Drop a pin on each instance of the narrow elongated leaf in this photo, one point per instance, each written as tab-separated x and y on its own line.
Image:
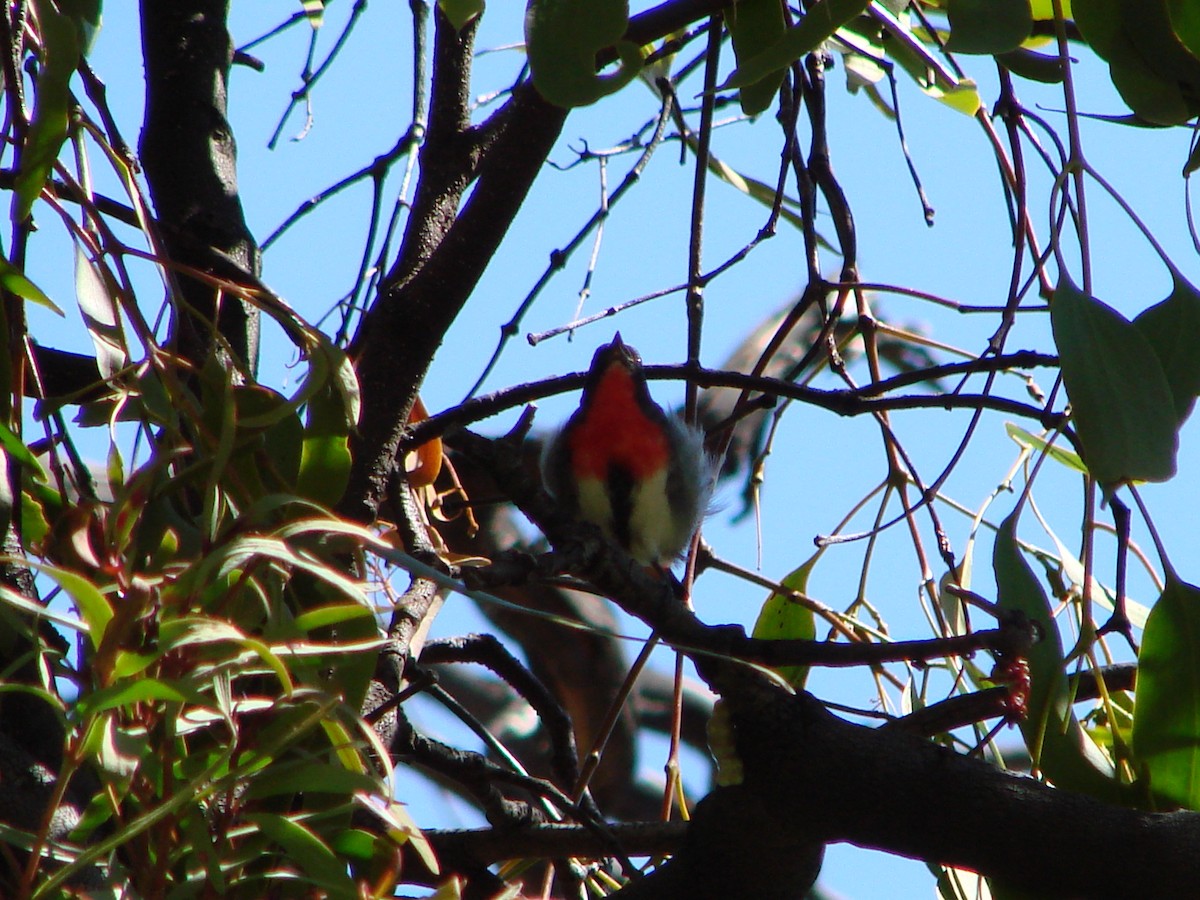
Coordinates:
15	447
307	850
14	279
988	26
562	38
1068	458
1121	403
100	314
1057	742
1173	329
1166	724
48	130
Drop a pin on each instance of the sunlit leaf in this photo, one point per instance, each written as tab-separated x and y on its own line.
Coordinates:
16	450
325	452
782	618
1056	452
1121	403
401	827
314	11
312	776
461	12
1166	724
100	314
562	38
13	279
131	691
307	850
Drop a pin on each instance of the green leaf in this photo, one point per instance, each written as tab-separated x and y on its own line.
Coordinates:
49	127
335	614
562	38
1057	742
137	690
14	279
1166	724
818	25
782	618
754	25
461	12
314	11
1034	66
92	605
1068	458
1173	329
325	454
1099	21
988	26
87	19
308	850
310	777
1121	403
1155	99
15	448
1185	22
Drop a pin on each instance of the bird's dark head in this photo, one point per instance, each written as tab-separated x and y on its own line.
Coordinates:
618	354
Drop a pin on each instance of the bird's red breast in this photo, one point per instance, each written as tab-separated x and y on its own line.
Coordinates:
616	430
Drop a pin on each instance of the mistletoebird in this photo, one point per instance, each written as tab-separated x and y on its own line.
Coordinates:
625	465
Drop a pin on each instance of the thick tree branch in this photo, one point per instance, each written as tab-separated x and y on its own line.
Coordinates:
190	160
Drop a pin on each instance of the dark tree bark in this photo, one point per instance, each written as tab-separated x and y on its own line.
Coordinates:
190	159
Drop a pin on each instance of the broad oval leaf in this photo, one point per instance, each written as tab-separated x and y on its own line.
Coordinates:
1121	403
1166	724
461	12
782	618
988	26
1173	329
562	38
819	23
754	25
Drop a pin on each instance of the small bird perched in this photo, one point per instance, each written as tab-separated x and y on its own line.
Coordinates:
623	464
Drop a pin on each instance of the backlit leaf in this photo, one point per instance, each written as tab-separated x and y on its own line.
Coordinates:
1166	724
1059	746
1121	403
562	38
988	26
1173	329
818	25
